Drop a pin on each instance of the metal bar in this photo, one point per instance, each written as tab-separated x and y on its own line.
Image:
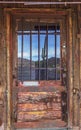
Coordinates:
39	53
30	54
50	3
55	54
47	54
22	52
38	3
25	33
12	2
49	68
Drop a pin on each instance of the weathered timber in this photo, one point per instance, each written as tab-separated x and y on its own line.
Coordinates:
8	91
79	40
75	71
80	79
35	97
36	11
38	115
44	86
40	89
6	82
38	107
34	106
31	107
41	124
70	67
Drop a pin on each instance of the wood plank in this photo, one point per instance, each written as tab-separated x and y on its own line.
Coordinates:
35	10
46	88
70	67
41	124
9	71
38	107
38	115
35	97
31	107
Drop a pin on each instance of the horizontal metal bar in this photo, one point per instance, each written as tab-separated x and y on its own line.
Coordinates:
49	33
48	68
12	2
50	3
38	3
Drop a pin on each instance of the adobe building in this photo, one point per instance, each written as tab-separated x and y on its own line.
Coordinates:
40	65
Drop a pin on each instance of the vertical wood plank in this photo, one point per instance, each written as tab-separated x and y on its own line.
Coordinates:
70	67
75	72
8	91
79	31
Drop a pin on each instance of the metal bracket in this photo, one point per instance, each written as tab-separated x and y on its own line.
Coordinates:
77	92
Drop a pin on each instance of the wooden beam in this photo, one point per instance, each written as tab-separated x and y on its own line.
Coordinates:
8	90
76	71
70	69
80	79
36	10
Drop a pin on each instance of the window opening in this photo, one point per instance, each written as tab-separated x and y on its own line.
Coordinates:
38	51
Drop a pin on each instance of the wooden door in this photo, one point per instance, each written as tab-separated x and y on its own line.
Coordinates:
40	102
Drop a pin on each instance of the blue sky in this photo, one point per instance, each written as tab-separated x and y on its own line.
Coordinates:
26	47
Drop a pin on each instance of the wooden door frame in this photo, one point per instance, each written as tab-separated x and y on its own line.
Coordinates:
8	14
9	71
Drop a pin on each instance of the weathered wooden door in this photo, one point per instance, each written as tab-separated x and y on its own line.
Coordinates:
44	93
40	95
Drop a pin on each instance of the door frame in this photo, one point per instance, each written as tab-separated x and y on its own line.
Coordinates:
8	25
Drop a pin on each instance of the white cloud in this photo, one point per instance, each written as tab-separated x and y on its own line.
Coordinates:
27	54
35	53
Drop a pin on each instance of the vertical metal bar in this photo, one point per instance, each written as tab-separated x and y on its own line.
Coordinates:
60	69
55	53
39	53
30	53
17	59
47	54
22	52
30	60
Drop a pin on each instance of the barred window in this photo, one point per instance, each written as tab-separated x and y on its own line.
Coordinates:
38	51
